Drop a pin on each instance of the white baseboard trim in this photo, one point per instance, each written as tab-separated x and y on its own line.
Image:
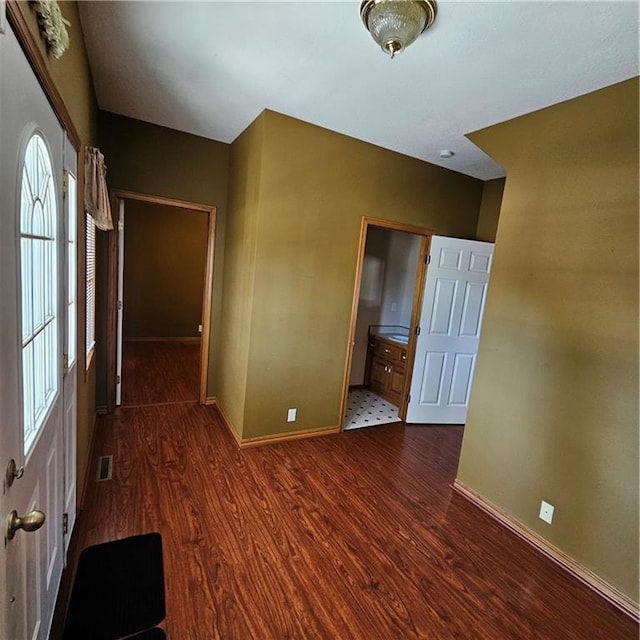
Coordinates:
610	593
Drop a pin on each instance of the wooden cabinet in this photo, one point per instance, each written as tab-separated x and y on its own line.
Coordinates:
387	369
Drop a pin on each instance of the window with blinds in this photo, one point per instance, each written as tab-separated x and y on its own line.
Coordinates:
91	289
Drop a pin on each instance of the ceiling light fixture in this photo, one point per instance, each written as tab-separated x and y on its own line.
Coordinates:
395	24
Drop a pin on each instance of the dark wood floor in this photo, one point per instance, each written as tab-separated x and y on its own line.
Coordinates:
352	536
160	371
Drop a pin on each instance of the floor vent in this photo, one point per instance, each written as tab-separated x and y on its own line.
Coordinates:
105	468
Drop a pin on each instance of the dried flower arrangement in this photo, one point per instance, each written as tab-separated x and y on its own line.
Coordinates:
52	25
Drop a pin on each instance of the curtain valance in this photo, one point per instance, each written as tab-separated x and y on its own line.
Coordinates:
96	194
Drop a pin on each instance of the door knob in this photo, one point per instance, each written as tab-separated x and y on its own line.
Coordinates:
13	472
31	521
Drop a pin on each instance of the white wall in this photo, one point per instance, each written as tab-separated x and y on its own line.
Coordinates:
400	277
386	290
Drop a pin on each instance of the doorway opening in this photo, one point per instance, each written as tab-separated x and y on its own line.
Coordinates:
161	273
416	320
384	316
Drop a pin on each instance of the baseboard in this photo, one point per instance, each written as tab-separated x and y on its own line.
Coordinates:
225	420
188	339
209	401
607	591
102	410
260	441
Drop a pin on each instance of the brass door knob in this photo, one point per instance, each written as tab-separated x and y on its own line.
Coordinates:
13	472
31	521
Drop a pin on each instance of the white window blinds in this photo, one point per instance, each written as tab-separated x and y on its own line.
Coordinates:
91	287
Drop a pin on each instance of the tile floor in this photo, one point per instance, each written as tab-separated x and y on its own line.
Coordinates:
366	409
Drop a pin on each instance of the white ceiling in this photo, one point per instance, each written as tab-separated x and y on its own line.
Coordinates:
210	68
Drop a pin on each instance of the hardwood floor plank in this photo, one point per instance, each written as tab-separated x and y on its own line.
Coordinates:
353	536
160	371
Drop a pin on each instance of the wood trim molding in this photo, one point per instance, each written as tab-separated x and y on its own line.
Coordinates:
29	45
225	420
186	340
207	293
607	591
123	194
416	312
397	226
117	196
260	441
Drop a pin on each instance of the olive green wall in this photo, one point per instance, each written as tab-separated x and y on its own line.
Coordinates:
554	410
490	210
313	189
239	273
165	252
154	160
72	78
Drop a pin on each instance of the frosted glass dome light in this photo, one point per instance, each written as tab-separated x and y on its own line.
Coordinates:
395	24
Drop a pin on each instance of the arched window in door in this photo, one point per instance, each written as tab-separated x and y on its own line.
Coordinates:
39	287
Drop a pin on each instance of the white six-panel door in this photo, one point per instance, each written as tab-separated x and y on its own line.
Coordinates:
450	322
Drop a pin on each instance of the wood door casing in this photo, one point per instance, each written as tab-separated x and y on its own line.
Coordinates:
426	235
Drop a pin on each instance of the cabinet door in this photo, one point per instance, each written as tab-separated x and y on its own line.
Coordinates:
396	386
379	376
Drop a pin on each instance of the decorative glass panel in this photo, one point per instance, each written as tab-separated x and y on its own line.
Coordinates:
39	287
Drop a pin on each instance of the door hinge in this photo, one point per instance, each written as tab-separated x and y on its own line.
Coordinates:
65	364
427	259
65	524
120	225
408	397
417	331
117	379
119	305
65	183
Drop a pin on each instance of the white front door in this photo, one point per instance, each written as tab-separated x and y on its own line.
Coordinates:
32	328
450	322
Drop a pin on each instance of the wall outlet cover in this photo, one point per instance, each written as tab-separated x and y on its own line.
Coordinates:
291	415
546	512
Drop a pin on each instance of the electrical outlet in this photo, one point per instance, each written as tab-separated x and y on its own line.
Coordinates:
291	415
546	512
